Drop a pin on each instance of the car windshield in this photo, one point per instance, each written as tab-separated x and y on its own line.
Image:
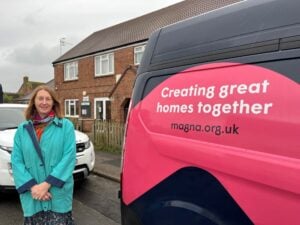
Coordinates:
11	117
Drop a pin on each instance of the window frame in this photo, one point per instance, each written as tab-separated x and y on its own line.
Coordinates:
68	110
138	54
100	60
71	71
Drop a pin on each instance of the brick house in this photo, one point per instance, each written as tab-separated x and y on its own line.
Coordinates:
28	86
94	79
25	96
24	92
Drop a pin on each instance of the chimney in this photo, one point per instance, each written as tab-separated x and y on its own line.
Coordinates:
25	79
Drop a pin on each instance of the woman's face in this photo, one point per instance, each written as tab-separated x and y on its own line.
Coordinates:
43	103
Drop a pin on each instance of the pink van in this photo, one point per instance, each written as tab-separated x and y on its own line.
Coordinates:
213	132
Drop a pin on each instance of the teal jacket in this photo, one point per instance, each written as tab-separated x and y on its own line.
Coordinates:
54	163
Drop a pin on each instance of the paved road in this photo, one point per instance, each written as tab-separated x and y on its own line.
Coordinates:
95	203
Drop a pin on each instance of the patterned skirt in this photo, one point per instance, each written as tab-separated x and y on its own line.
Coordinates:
50	218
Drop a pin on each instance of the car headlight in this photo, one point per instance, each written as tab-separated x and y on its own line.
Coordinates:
6	148
80	147
87	144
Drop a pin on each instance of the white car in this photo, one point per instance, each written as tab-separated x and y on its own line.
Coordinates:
11	115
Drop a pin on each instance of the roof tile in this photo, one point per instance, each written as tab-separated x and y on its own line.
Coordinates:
139	29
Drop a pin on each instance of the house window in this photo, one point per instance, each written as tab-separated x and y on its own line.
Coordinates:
138	53
102	109
104	64
71	107
71	71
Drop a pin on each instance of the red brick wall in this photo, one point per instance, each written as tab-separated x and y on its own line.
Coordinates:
122	94
96	87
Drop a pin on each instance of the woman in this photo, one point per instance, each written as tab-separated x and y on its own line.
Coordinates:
43	160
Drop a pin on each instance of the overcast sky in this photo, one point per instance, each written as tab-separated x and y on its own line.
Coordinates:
31	31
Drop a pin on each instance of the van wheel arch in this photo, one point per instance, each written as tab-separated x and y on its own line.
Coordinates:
189	194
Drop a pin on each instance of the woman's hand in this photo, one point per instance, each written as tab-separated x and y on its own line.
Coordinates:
47	196
41	191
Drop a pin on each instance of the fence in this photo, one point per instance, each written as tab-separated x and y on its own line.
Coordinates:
108	135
